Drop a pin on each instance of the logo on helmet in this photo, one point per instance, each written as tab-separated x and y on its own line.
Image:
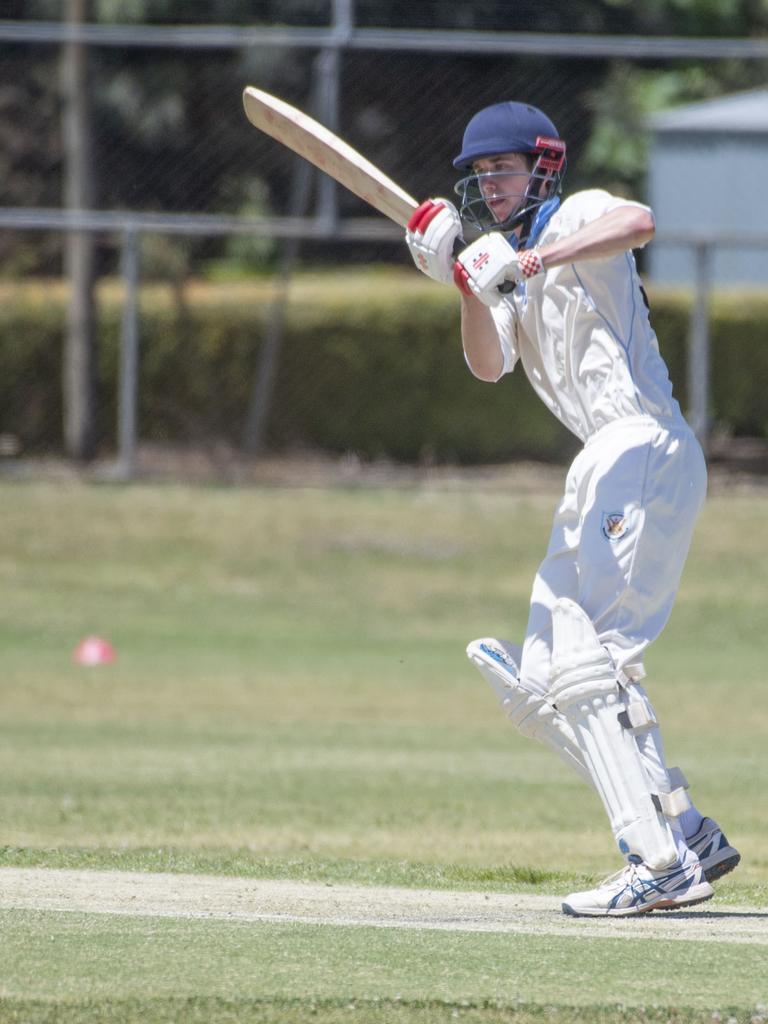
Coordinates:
551	153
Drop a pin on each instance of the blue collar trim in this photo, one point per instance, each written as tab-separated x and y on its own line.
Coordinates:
544	212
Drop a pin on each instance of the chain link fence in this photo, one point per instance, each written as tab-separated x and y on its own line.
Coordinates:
190	209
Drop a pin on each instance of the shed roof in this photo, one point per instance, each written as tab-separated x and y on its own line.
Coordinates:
741	112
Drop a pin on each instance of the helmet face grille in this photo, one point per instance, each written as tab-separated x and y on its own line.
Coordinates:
481	196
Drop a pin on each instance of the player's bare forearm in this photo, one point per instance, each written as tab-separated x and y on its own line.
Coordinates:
627	227
480	339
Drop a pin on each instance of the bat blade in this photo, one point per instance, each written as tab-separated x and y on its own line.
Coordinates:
316	143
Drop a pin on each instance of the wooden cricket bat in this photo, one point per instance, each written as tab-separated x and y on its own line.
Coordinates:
321	147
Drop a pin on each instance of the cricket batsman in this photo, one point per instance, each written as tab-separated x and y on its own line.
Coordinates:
553	285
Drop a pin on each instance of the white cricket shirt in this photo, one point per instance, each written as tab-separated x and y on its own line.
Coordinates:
582	332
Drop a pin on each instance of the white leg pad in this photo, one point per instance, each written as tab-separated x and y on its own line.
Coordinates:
585	689
498	660
532	714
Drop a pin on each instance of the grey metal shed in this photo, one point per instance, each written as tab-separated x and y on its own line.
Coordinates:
707	176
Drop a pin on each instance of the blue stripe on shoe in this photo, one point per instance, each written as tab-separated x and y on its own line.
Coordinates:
642	889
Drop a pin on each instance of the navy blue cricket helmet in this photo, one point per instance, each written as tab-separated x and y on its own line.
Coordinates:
510	127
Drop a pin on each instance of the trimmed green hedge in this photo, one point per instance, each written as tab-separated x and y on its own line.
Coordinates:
371	363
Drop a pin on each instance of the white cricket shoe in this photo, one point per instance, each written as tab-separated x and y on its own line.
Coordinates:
636	889
714	851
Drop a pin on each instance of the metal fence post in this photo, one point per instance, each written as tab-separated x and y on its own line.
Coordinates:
328	69
698	346
128	383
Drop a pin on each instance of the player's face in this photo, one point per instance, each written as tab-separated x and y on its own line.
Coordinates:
502	181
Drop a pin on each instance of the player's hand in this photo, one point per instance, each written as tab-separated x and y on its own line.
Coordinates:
431	234
490	261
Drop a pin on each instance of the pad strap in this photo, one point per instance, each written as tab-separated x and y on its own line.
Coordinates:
677	801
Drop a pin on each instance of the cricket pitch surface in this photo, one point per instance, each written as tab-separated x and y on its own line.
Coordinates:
260	900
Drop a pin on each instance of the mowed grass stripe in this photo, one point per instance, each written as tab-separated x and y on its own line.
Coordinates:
87	957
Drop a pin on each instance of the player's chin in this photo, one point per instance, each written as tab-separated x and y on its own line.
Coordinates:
500	209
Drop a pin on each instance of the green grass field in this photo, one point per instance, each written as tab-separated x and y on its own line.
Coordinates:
291	700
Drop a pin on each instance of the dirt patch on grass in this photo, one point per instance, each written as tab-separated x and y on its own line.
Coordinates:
734	464
257	900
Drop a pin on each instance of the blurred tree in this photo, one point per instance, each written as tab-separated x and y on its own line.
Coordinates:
30	161
652	17
617	153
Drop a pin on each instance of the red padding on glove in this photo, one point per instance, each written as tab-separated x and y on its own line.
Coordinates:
423	214
461	278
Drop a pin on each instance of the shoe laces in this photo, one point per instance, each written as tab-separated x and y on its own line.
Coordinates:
624	876
631	872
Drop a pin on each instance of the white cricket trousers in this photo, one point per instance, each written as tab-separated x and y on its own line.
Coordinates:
619	541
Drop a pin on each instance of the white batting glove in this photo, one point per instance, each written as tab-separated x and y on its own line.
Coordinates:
488	263
431	234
